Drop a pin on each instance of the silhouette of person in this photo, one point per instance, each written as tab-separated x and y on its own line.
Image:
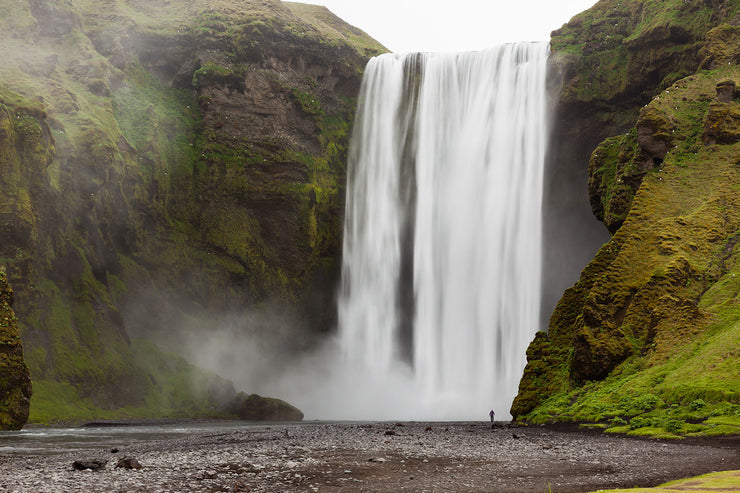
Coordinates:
492	414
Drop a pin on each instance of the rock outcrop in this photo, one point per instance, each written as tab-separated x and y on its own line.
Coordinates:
607	63
648	336
165	165
15	382
257	408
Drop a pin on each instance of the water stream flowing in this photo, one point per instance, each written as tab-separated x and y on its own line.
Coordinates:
441	257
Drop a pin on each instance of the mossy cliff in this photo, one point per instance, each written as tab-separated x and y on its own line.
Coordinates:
15	382
647	341
607	63
165	164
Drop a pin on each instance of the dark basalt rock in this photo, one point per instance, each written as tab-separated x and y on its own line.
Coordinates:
129	463
92	464
257	408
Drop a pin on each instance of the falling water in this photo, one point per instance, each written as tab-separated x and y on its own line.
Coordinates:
441	265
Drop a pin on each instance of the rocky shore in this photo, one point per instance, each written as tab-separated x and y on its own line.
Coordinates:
431	457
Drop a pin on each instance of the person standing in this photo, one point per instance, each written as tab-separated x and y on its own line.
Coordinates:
492	415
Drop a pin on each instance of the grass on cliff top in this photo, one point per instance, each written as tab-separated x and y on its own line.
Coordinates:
334	28
717	482
611	23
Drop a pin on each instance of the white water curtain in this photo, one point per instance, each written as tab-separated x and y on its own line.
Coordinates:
474	127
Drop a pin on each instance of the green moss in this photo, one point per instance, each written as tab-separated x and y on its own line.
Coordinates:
15	385
615	43
308	104
718	481
331	27
666	283
157	121
136	187
58	402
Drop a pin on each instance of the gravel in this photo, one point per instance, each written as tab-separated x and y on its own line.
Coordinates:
419	457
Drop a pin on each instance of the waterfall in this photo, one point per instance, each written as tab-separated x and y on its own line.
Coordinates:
441	254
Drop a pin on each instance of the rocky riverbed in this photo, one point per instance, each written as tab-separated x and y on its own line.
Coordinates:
418	457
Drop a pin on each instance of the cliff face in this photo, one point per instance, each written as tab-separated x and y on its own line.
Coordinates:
607	63
15	382
647	339
164	161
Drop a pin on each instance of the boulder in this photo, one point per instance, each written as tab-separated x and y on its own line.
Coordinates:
129	463
257	408
91	464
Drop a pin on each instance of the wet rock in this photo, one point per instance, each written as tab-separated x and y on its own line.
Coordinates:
91	464
15	381
376	459
129	463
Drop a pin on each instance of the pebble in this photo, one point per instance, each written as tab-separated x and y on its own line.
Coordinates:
320	457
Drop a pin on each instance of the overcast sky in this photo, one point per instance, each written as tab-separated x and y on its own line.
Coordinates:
455	25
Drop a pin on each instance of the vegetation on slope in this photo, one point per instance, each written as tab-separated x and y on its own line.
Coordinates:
165	162
648	340
717	481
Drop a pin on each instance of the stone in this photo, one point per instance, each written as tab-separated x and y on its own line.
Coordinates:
129	463
89	464
257	408
725	91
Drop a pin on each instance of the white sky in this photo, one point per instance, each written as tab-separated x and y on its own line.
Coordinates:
455	25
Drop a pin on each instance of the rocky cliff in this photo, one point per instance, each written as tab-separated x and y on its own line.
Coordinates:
15	381
166	164
647	340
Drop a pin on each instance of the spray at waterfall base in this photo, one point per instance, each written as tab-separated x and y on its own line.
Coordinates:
441	257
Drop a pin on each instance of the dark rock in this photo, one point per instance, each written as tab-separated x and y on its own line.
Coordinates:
256	408
726	91
15	381
722	122
390	433
129	463
92	464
